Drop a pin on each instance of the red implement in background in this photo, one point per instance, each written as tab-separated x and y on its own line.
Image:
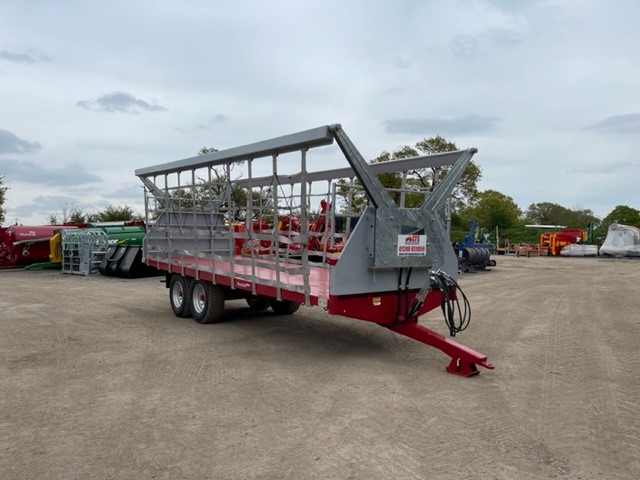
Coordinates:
22	245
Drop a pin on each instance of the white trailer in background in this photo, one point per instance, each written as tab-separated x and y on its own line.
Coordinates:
621	241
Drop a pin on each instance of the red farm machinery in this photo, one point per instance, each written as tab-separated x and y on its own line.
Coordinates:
22	245
255	235
555	242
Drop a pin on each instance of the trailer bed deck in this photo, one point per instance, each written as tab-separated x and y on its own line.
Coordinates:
239	275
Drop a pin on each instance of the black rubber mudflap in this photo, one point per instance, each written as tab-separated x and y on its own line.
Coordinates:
104	264
114	261
126	261
131	263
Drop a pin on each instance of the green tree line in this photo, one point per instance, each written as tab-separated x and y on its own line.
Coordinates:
113	213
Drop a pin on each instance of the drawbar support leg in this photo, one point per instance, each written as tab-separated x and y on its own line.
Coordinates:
464	360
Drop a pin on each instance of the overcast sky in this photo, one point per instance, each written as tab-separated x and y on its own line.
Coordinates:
549	91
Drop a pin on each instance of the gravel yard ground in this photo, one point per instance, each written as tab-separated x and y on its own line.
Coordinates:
98	380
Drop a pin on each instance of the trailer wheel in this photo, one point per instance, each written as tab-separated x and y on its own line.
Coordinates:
257	303
207	302
179	296
283	307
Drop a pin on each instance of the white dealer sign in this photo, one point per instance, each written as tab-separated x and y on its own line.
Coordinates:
412	245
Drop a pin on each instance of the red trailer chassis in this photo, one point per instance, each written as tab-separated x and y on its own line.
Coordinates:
396	264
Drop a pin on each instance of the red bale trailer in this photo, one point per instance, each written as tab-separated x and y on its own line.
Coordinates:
240	223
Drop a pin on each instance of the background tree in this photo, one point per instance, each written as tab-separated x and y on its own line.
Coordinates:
221	179
68	212
3	191
467	188
115	214
78	216
391	180
423	180
547	213
583	217
205	189
622	214
494	209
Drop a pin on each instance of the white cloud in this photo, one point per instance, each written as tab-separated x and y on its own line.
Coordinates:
122	102
11	143
23	56
627	124
71	174
212	122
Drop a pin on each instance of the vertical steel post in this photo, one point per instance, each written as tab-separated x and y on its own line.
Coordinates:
276	244
304	225
403	187
249	222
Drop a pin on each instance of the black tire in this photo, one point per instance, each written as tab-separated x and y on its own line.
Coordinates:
283	307
207	301
179	296
257	303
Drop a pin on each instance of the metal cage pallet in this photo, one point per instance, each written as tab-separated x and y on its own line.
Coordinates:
83	250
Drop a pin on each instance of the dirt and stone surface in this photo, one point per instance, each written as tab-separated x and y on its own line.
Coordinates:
98	380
